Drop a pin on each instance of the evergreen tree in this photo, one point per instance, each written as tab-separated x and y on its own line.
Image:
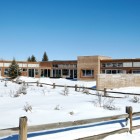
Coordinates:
33	59
29	59
14	70
45	57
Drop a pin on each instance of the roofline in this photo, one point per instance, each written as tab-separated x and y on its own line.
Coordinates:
125	59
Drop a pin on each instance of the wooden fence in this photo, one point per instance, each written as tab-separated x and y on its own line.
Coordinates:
76	87
23	128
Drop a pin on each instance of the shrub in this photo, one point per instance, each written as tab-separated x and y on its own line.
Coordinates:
44	92
37	83
11	93
57	107
23	89
98	101
66	90
105	102
5	83
135	99
86	91
109	104
71	113
41	85
16	95
27	107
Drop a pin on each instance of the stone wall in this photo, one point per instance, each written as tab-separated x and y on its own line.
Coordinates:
111	81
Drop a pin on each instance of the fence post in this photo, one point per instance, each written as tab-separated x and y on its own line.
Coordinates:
23	128
105	92
75	87
37	83
53	85
129	110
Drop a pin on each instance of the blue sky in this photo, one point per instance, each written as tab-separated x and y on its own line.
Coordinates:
66	29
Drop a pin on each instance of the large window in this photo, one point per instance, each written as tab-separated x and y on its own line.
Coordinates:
65	72
136	71
127	64
74	65
87	73
136	64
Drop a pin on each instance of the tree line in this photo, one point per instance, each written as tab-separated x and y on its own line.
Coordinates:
33	58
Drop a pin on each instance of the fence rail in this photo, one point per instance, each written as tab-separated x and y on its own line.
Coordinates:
23	129
101	136
76	87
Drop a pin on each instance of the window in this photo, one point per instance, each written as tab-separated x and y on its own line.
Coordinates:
127	64
65	72
115	64
55	66
60	66
112	65
42	73
136	64
74	65
103	65
120	71
87	73
75	73
36	72
113	71
109	65
136	72
120	65
108	71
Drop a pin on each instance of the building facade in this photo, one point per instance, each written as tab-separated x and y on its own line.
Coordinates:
30	69
120	66
84	68
56	69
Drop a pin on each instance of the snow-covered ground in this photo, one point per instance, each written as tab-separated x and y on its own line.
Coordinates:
51	105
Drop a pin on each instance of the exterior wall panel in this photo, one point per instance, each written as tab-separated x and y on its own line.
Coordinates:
111	81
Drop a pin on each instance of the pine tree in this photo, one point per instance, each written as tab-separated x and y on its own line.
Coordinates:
29	59
33	59
14	70
45	57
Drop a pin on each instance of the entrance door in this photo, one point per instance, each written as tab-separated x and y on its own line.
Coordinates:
71	74
31	73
